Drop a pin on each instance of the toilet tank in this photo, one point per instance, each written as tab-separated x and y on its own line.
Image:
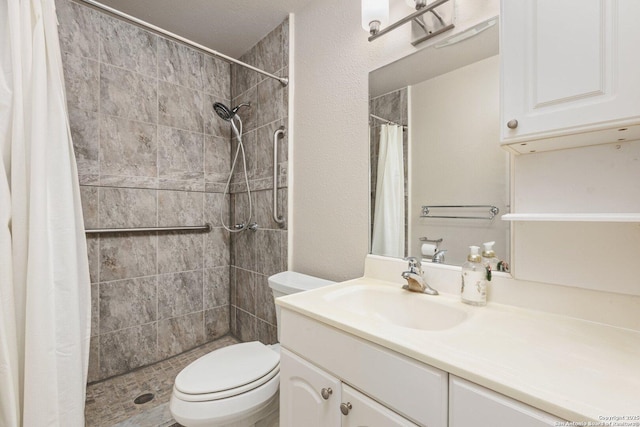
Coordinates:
290	282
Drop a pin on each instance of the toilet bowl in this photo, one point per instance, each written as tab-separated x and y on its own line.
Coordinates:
237	386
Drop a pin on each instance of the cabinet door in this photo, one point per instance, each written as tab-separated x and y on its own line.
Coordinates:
301	394
569	66
471	405
363	411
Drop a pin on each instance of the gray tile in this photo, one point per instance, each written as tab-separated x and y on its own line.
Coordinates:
244	247
94	360
84	133
122	181
271	102
246	326
76	28
95	309
127	303
127	207
269	49
178	185
233	324
389	106
233	300
128	147
216	287
180	154
216	322
217	158
246	290
128	349
180	334
242	78
285	251
217	77
179	294
124	256
180	208
93	251
249	144
127	46
265	303
82	82
268	252
180	107
266	333
214	204
89	198
178	251
216	248
264	149
127	94
285	42
179	64
263	209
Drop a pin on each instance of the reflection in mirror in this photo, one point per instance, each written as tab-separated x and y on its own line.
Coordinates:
447	158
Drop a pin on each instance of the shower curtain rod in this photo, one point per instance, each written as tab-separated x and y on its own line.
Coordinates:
139	22
387	121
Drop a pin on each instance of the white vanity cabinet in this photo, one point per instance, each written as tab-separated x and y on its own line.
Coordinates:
311	397
383	387
569	73
471	405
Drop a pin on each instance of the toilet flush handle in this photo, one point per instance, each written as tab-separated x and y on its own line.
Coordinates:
326	393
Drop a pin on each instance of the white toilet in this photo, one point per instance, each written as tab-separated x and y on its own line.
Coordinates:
237	386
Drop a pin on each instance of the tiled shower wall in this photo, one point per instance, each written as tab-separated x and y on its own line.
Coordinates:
150	152
257	255
393	106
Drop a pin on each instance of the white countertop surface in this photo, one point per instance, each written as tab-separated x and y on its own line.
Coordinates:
574	369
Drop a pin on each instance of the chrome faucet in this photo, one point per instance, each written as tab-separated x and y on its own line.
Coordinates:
438	257
415	278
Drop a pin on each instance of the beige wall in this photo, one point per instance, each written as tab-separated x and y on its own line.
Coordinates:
331	59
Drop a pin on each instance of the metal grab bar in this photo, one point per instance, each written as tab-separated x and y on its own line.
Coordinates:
279	133
493	211
206	228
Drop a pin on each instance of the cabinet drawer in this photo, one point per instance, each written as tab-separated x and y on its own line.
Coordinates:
472	405
417	391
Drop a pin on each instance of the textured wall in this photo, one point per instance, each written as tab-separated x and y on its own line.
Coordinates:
331	61
150	153
255	255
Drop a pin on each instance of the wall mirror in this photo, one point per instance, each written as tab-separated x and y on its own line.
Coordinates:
439	179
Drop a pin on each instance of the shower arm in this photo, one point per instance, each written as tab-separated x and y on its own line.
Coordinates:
278	134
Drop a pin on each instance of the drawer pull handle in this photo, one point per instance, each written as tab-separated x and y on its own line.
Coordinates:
326	393
512	124
345	408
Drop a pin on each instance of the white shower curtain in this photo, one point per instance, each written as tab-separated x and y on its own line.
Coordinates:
388	217
44	275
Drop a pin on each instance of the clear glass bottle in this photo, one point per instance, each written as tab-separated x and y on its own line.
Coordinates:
474	279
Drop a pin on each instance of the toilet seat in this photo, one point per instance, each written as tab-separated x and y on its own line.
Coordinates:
227	372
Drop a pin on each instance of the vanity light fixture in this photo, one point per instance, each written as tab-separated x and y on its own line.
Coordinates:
375	14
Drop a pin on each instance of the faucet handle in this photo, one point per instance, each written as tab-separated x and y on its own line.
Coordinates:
414	264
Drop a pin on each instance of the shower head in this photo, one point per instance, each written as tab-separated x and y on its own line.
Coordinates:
225	112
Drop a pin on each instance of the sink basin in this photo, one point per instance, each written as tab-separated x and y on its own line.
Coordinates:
397	307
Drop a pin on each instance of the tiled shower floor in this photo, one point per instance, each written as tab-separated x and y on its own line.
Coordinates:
110	403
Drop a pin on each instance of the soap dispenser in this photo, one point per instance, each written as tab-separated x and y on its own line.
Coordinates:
474	279
489	258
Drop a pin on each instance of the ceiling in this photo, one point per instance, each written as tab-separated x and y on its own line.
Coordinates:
231	27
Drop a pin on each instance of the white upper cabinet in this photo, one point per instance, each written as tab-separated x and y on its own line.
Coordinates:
570	73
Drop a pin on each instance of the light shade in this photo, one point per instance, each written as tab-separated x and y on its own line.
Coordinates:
374	10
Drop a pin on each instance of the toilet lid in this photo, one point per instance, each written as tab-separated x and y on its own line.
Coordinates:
227	368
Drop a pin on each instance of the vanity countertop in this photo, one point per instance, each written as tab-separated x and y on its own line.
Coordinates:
574	369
